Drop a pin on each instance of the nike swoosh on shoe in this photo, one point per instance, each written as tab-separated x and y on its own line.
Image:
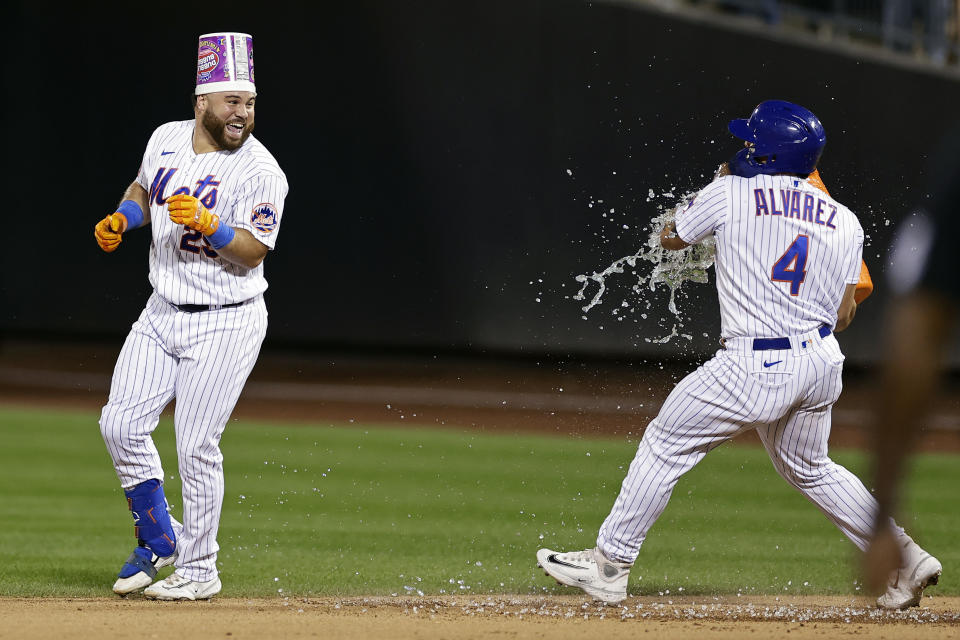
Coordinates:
554	560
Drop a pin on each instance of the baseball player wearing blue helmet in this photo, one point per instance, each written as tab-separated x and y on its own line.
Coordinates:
784	138
788	266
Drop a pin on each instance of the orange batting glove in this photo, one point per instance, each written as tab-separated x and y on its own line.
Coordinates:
108	231
187	210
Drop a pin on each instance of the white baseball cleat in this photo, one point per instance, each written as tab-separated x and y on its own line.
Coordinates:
918	571
175	587
139	570
589	570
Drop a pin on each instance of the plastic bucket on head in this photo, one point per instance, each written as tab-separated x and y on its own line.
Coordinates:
225	63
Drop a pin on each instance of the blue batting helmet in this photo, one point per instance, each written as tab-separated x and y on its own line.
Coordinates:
786	137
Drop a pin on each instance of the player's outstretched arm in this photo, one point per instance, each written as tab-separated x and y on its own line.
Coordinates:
669	238
848	308
132	212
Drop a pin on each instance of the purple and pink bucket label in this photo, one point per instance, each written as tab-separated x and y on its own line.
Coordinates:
225	63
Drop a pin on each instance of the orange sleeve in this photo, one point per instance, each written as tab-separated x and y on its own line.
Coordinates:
865	286
814	179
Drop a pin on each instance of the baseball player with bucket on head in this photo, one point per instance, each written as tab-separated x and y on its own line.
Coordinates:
213	197
788	263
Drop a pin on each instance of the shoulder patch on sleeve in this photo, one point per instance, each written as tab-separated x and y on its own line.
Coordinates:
264	217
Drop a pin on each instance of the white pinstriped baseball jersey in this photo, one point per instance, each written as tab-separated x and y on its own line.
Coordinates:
200	357
245	187
784	251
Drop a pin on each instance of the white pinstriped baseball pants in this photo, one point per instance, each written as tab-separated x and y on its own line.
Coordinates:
789	405
203	359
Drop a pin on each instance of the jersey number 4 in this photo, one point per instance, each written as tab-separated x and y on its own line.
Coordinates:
792	265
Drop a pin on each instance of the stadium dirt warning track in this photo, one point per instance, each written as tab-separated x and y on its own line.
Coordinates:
598	398
519	617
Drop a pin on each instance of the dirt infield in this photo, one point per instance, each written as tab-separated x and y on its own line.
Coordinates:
555	617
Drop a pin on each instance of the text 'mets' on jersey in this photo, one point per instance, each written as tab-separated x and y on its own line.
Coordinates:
785	251
245	187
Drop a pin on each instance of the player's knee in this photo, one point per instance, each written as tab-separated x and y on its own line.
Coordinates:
802	478
110	426
654	433
661	440
192	457
117	430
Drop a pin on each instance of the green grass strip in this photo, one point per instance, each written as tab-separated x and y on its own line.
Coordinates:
351	510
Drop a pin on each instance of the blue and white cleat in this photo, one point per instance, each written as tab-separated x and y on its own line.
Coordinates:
139	570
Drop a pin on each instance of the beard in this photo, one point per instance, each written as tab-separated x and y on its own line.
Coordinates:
216	127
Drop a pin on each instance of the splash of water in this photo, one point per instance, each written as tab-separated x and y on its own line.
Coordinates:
670	268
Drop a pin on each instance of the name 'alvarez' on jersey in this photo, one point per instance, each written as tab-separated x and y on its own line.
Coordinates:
785	251
245	187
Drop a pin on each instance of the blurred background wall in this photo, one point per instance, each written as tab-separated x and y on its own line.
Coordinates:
452	165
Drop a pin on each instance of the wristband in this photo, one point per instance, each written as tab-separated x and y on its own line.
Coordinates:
221	237
132	212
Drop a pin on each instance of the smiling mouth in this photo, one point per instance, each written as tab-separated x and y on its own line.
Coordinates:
235	128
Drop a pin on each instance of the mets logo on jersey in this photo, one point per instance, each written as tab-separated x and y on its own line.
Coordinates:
264	217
